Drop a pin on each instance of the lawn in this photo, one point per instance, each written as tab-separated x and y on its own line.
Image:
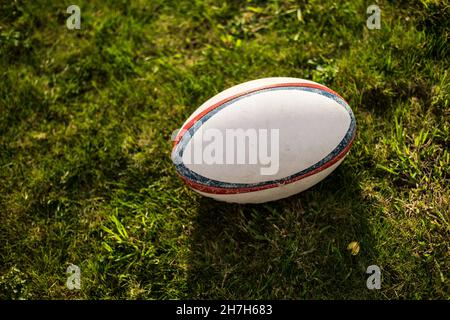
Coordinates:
86	117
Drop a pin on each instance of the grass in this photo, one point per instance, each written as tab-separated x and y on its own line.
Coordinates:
86	177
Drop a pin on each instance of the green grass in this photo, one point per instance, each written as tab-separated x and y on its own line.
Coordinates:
86	177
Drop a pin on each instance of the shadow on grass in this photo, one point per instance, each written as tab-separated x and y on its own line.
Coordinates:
380	101
290	249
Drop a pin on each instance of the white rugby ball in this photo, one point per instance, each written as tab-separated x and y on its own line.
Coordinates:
264	140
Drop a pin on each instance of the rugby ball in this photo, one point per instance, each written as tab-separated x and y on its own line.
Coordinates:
264	140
